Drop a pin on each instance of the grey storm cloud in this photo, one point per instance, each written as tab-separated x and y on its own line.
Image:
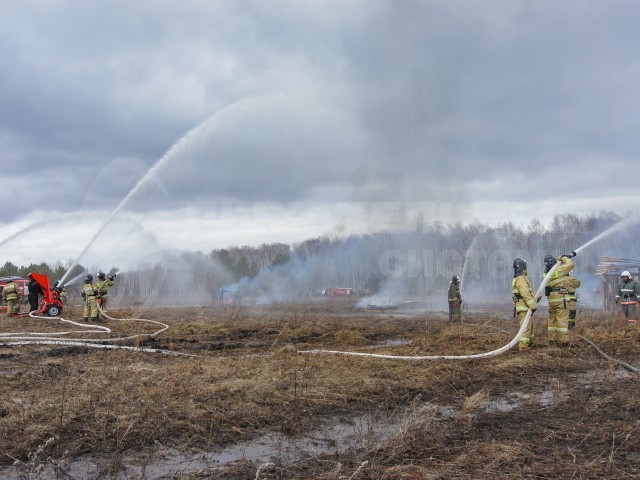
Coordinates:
314	101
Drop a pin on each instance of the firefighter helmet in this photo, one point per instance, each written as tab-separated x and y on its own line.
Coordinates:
455	279
519	266
101	276
549	261
625	274
89	279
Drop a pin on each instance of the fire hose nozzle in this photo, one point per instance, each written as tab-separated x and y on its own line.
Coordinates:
570	254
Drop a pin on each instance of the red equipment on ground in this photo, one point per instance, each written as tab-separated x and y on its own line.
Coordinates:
50	303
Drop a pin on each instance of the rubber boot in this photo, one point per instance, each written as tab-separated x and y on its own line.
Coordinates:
86	319
94	319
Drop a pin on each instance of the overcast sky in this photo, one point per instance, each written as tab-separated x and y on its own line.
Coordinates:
284	120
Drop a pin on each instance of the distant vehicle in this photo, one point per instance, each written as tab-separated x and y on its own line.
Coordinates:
333	291
227	297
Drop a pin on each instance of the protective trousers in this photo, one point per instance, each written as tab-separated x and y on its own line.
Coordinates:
104	300
13	306
455	312
90	307
529	335
558	323
630	310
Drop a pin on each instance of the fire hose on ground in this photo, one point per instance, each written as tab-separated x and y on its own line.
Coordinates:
44	338
490	354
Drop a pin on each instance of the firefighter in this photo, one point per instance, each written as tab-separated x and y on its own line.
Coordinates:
455	300
35	292
523	301
558	296
59	292
572	284
89	292
102	286
627	295
12	295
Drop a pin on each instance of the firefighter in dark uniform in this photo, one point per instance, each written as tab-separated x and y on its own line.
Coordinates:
627	295
35	292
455	300
523	301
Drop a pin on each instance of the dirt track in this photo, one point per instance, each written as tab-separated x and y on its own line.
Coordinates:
550	413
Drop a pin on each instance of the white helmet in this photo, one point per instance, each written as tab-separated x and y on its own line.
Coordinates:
625	274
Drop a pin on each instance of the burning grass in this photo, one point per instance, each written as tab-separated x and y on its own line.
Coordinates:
550	413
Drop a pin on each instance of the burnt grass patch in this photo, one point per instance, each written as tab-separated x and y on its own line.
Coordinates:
551	412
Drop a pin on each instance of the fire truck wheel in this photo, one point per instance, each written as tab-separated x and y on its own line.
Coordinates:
53	311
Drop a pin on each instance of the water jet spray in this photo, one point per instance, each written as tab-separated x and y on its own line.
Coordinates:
177	148
611	230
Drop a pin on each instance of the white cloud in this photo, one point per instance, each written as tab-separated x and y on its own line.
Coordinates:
530	106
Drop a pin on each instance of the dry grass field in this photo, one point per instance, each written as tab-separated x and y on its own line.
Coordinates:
248	405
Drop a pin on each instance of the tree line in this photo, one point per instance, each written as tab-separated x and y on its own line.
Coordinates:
417	262
54	272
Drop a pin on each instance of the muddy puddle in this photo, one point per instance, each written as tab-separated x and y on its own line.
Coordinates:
338	436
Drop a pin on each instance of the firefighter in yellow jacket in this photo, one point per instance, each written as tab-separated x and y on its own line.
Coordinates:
523	301
102	286
558	296
12	295
89	292
571	283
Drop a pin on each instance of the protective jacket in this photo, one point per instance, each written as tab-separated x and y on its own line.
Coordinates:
572	285
562	284
88	290
454	292
523	294
628	292
102	287
11	291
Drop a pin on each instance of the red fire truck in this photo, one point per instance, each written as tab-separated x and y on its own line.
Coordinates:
333	291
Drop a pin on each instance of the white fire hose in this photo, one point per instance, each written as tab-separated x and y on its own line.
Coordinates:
492	353
45	338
